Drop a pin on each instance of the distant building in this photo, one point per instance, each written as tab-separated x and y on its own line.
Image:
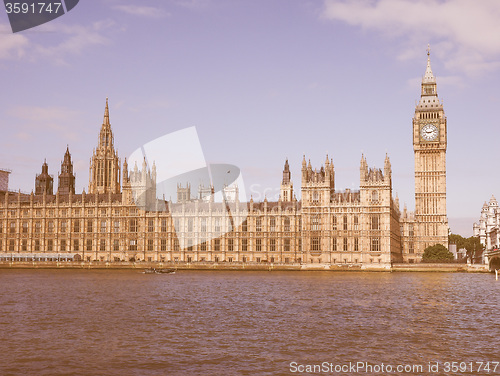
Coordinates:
458	254
4	180
488	226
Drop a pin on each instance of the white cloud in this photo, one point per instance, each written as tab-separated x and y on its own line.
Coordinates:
39	120
75	40
42	114
144	11
12	45
193	4
464	34
70	40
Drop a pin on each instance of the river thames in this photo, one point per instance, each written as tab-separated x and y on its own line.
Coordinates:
93	322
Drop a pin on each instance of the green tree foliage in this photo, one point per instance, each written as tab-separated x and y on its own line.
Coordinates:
474	248
458	240
472	245
437	253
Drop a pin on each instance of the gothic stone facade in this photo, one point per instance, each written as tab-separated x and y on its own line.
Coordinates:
120	219
327	227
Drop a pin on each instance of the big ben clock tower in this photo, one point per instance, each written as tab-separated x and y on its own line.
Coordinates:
429	145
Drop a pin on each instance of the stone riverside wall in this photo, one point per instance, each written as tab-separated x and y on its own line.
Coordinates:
243	266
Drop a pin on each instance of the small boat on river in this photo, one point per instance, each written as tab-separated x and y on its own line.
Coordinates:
158	271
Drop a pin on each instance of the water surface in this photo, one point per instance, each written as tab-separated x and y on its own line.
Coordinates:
93	322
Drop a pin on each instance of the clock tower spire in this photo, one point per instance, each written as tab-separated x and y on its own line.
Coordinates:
429	146
429	81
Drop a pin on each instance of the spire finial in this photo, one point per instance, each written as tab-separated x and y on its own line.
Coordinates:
106	113
428	76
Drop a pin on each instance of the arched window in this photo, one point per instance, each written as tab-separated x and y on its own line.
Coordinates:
287	224
272	224
315	197
315	223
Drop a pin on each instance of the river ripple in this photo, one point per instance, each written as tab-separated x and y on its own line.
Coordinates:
87	322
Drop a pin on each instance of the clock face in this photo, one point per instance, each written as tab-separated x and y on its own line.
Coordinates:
429	132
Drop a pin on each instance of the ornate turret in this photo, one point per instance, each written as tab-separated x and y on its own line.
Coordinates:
44	183
363	169
286	174
304	168
387	169
183	194
125	171
153	173
142	184
286	193
66	177
329	171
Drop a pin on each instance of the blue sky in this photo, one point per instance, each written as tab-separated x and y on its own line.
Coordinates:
261	81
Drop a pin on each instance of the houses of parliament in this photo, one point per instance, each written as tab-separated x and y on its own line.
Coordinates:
120	218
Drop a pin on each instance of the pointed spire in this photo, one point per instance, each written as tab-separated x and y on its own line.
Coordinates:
106	114
125	170
66	177
109	178
428	76
363	169
67	156
304	163
286	174
287	167
45	167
